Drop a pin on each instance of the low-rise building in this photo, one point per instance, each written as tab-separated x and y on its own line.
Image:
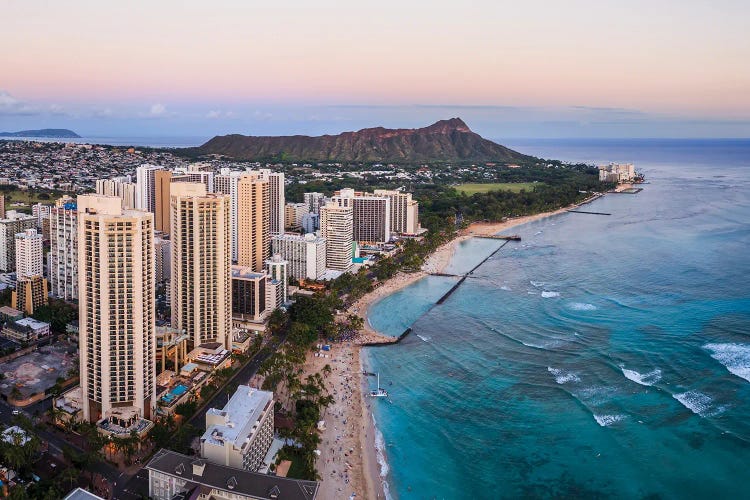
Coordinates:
171	474
240	434
25	330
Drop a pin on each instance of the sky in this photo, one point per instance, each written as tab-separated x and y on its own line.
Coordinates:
510	69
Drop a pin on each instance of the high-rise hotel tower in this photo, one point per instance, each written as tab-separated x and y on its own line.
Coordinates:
201	264
116	307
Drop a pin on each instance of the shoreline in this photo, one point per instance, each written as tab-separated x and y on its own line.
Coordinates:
348	461
436	262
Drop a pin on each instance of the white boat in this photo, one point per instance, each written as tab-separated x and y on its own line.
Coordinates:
379	393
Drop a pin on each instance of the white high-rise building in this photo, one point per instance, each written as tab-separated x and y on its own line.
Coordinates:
314	201
145	198
371	215
337	226
63	252
200	279
116	310
306	254
13	224
29	259
278	270
122	187
404	211
226	183
276	198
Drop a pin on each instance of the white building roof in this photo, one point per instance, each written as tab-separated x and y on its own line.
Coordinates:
241	417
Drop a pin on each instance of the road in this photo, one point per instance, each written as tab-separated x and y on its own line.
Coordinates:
55	441
134	487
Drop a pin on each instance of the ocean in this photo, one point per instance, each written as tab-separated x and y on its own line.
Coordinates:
601	356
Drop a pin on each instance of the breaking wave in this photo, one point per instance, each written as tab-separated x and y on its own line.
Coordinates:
735	357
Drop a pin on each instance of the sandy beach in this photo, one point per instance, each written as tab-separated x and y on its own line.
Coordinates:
348	460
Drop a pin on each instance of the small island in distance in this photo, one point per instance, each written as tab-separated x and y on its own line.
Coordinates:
51	133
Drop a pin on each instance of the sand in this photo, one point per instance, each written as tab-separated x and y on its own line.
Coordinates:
348	460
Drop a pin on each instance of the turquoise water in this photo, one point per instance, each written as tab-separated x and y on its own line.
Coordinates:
599	357
175	393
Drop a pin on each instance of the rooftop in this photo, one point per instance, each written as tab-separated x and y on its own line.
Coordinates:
229	479
240	417
31	323
245	272
81	494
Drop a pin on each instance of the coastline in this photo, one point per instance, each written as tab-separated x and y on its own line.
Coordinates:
348	462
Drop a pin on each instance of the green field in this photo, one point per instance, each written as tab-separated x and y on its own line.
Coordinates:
28	198
473	188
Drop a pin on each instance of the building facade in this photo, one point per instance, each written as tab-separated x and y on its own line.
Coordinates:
173	475
31	292
277	269
122	187
248	294
240	434
371	215
253	222
13	224
145	196
29	259
201	260
116	308
62	267
404	211
306	254
276	198
337	227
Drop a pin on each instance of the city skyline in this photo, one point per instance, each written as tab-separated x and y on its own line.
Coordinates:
585	69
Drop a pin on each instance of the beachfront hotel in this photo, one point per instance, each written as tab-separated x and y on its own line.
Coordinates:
253	222
173	475
371	215
201	259
248	294
240	434
306	254
116	311
336	224
404	211
617	172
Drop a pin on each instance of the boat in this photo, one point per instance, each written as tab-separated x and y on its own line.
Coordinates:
379	392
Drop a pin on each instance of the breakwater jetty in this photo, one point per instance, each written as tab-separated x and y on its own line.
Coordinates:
395	340
586	212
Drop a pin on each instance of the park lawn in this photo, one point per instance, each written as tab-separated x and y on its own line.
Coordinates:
28	198
473	188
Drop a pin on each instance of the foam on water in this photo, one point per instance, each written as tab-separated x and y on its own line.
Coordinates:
607	420
698	403
735	357
646	379
581	306
380	454
537	283
424	339
562	376
547	295
506	288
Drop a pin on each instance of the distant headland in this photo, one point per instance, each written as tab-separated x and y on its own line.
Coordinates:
45	133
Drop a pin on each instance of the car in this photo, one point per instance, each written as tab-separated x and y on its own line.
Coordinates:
16	412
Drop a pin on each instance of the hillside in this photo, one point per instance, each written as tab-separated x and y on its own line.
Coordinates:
446	140
47	133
